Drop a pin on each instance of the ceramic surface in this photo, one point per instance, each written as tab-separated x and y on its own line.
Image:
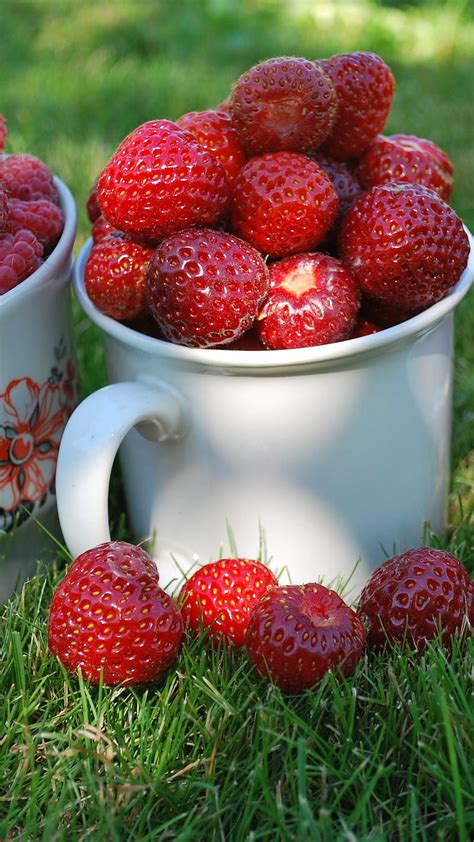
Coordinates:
38	391
340	453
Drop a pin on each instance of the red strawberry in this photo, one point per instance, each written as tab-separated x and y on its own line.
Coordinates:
3	132
404	246
217	133
364	86
283	104
160	180
416	595
406	158
20	256
109	613
205	287
299	632
283	203
115	277
41	216
365	328
26	177
312	301
92	205
221	596
345	183
249	341
101	229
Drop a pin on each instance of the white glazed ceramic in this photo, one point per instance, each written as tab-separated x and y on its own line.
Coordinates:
338	452
38	391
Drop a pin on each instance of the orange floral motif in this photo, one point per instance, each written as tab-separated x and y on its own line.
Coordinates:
32	419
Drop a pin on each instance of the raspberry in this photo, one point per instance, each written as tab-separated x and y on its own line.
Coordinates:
205	287
3	209
20	256
283	104
110	615
160	180
27	178
312	300
41	216
115	277
406	158
216	132
283	203
415	596
298	633
364	86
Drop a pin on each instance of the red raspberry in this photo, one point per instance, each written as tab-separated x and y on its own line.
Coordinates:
3	132
345	183
415	596
404	246
217	132
407	159
364	86
109	613
41	216
3	208
161	180
101	228
312	301
283	104
283	203
220	597
20	256
299	632
115	277
205	287
27	178
92	205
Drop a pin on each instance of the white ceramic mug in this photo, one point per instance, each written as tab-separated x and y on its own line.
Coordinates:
340	452
38	391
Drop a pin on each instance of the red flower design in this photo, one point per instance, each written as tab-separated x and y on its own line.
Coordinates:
32	418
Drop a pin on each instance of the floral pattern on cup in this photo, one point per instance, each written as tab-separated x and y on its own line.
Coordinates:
32	419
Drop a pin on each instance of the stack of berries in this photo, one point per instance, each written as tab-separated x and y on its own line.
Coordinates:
31	221
110	616
281	219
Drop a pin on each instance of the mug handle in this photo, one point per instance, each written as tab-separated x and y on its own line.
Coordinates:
89	445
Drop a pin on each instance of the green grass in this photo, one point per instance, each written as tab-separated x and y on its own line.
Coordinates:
212	752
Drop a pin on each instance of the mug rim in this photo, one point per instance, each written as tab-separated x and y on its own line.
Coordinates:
55	260
230	359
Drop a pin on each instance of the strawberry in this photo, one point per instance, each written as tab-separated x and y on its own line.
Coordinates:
115	277
406	158
216	132
298	632
220	597
249	341
92	204
312	300
27	178
101	229
364	87
283	104
205	287
20	256
404	246
283	203
415	596
109	614
41	216
159	180
364	327
345	183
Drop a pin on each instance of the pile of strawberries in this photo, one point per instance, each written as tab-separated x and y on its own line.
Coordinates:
281	219
31	220
110	616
